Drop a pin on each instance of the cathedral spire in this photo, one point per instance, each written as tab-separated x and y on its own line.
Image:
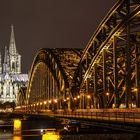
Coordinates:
6	61
12	45
5	56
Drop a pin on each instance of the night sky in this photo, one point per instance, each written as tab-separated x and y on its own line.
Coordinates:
49	24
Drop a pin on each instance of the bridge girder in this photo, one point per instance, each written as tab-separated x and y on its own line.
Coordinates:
108	72
47	81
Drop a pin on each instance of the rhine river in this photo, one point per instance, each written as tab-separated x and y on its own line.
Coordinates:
40	129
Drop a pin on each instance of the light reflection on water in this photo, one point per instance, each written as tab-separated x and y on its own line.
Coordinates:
51	136
9	136
17	138
31	130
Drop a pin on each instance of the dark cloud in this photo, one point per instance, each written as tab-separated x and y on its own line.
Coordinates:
50	23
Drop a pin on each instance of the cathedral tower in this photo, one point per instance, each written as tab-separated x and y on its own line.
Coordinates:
15	58
11	78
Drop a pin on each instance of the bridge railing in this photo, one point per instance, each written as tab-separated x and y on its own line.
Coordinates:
117	115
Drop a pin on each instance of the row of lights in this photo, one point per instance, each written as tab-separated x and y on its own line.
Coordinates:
78	97
56	100
75	98
49	101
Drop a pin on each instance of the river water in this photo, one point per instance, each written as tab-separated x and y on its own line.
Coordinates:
52	130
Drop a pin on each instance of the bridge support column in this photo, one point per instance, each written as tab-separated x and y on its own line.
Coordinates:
104	80
128	63
95	87
116	97
137	79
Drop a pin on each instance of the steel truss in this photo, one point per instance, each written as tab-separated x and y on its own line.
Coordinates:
108	73
107	76
47	82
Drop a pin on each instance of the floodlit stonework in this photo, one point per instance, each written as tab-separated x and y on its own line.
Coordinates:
11	78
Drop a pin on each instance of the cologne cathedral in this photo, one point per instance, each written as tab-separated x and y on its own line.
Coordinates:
11	78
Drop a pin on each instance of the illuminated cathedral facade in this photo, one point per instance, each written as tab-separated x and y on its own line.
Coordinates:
11	78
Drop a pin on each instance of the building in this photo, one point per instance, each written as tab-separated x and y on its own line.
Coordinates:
11	78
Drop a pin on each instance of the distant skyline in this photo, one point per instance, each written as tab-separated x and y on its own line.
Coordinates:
49	24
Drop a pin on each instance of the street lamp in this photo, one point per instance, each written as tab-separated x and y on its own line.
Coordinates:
78	96
88	96
107	94
45	102
49	101
55	100
135	89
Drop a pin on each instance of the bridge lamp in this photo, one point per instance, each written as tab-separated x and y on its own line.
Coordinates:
75	98
55	100
78	96
107	93
135	89
64	100
124	88
68	98
18	107
40	103
45	102
50	101
88	96
37	104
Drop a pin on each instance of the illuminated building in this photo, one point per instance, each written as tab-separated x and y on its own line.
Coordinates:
11	78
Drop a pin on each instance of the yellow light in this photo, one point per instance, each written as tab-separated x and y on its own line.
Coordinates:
18	107
124	88
88	96
55	100
40	103
50	101
75	98
135	89
17	124
78	96
17	127
67	98
45	102
50	136
17	138
107	94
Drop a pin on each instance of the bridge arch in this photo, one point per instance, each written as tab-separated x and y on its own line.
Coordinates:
107	75
47	82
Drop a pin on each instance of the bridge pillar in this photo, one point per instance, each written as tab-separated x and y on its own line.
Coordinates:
128	63
95	87
104	80
116	97
137	79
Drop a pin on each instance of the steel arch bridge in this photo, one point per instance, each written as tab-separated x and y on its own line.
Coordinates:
49	80
106	74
